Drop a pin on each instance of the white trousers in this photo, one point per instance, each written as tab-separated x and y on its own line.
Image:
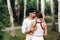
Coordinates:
37	38
29	37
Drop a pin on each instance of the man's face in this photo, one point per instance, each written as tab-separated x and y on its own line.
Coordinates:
33	14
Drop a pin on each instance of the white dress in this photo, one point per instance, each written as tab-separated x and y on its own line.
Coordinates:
38	34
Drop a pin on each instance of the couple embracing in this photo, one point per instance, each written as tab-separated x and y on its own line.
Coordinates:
34	26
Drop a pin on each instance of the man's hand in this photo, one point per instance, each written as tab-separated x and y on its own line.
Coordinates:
33	29
29	32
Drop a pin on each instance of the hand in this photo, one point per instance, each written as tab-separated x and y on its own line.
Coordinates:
44	35
29	32
33	29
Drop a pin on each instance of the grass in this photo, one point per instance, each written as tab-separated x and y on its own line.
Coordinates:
51	35
20	36
16	24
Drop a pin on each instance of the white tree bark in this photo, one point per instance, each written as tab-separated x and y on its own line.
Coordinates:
52	6
58	19
43	8
32	0
11	17
17	8
16	3
37	4
47	0
59	16
25	2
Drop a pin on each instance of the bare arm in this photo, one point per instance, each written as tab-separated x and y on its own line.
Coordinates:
45	27
33	26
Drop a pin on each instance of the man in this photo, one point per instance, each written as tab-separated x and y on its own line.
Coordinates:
27	22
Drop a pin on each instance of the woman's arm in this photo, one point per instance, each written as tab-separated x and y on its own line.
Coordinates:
33	26
45	27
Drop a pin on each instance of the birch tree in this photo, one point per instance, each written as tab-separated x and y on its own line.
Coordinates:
25	2
37	4
18	11
43	8
11	18
17	8
59	18
53	16
58	15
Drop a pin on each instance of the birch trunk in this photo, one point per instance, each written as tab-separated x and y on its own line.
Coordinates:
11	18
18	11
53	16
59	19
58	15
17	8
37	4
25	2
43	8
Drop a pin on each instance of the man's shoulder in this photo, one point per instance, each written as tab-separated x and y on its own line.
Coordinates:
26	19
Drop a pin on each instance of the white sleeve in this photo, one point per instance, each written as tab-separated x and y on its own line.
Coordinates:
24	27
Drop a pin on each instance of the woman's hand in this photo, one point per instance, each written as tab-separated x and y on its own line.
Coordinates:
33	26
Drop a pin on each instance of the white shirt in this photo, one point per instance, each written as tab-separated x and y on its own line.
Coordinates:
26	24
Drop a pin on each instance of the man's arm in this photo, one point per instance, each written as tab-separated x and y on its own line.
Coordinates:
24	27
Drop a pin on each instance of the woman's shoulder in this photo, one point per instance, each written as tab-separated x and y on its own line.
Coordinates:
42	20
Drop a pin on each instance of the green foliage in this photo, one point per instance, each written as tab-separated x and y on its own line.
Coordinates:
48	19
1	25
52	35
1	31
47	8
4	15
56	7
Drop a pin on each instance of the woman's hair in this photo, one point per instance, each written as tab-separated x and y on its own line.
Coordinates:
39	14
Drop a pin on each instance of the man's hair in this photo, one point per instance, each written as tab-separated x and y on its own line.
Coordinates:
39	14
32	10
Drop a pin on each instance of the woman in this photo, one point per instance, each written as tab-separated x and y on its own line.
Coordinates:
39	27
